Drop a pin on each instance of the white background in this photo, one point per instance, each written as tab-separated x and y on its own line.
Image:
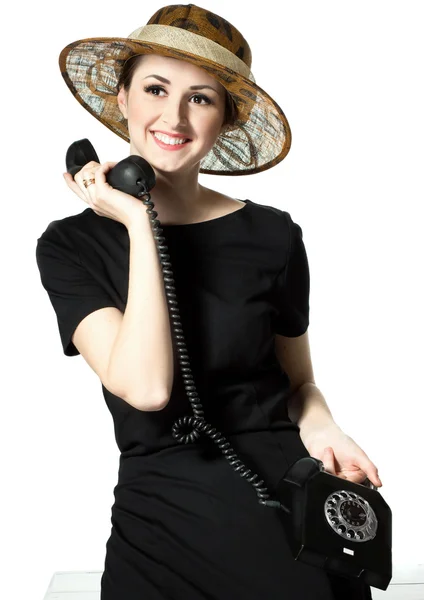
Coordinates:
349	77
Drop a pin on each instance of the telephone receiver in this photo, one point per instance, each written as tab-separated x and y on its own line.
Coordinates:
343	527
132	175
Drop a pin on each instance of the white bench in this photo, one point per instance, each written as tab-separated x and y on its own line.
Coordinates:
407	584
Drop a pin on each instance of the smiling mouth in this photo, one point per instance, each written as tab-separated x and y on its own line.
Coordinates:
178	142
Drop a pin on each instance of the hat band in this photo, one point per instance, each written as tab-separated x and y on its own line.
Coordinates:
187	41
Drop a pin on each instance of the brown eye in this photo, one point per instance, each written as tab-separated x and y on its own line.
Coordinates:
150	88
208	101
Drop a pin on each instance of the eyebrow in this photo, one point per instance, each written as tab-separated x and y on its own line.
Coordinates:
192	87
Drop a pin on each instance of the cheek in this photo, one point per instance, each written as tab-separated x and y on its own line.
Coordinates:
138	114
210	126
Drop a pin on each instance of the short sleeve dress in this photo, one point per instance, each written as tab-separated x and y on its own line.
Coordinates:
185	525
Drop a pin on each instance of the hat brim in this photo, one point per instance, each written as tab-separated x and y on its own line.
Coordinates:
260	139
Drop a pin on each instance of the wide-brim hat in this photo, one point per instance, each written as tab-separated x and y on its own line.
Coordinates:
260	137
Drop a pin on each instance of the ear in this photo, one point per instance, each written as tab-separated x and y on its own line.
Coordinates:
122	102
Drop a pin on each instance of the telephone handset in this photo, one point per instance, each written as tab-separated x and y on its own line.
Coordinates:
133	175
330	523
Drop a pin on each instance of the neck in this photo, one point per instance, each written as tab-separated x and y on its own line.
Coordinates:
178	194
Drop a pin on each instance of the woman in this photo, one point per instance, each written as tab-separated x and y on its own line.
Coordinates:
185	525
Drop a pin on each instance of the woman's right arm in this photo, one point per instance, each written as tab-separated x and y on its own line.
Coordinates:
141	359
132	351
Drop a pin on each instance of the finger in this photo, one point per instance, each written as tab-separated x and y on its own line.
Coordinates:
85	174
71	183
371	471
91	192
100	174
82	180
95	173
328	461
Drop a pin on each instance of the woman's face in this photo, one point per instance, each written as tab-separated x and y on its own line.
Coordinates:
174	108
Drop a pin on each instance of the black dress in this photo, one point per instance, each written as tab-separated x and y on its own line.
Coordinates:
185	525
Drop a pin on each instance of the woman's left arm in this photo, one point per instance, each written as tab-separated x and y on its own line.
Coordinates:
325	440
321	436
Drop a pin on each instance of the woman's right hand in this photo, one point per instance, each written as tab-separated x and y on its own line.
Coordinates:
104	200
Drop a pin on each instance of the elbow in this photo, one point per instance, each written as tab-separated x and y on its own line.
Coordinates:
160	403
151	402
145	401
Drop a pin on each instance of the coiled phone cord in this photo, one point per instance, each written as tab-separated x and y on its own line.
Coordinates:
188	429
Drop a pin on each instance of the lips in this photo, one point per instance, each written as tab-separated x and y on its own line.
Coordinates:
170	147
170	135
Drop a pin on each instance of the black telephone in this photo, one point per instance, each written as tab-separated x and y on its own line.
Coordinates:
343	527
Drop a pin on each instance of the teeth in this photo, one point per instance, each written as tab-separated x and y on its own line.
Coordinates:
167	140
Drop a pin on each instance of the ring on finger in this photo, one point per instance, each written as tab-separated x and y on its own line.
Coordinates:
88	182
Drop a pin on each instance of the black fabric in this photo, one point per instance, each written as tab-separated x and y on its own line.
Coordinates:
293	286
185	525
74	292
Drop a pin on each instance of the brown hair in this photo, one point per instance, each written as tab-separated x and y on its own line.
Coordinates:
127	73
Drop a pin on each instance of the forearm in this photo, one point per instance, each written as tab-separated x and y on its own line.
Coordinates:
308	409
141	361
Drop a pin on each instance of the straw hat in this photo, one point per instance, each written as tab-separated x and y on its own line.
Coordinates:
261	136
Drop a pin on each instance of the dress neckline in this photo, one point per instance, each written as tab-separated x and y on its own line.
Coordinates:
209	222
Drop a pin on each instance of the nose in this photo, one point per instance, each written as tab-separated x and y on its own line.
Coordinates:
175	114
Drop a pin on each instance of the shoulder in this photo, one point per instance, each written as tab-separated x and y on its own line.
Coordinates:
61	227
275	222
72	228
278	219
271	213
58	245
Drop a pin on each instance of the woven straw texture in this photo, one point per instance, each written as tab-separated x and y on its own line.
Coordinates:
261	136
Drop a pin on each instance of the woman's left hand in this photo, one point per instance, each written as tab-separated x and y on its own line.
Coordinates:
340	454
